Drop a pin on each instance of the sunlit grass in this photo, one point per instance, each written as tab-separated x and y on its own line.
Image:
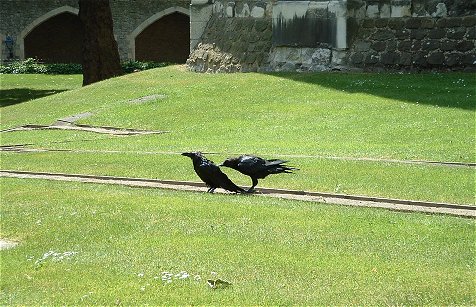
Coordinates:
315	120
105	245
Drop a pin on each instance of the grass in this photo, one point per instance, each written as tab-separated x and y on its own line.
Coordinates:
274	252
321	122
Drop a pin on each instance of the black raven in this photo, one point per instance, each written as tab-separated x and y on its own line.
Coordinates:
256	167
211	174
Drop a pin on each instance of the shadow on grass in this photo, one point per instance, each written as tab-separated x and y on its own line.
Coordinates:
19	95
449	90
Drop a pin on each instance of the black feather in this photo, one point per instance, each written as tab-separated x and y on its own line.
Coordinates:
211	174
257	168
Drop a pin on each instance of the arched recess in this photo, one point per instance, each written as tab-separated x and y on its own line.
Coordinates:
54	37
165	36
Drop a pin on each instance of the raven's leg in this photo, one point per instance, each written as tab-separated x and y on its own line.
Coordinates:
211	190
255	182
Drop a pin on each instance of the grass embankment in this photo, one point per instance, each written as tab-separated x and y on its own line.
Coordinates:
105	245
310	119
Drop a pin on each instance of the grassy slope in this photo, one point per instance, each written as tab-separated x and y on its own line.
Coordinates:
398	116
275	252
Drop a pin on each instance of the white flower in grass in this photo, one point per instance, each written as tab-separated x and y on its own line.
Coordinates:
197	278
140	274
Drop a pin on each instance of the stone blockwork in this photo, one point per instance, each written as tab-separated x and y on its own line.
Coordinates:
415	43
236	38
19	17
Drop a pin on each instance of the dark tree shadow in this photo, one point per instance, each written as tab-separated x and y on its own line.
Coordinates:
450	90
19	95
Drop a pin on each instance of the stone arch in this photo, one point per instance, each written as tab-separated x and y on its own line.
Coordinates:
39	21
170	12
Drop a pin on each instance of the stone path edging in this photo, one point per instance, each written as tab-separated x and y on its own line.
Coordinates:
339	199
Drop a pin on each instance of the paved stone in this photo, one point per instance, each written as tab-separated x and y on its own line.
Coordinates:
5	244
347	200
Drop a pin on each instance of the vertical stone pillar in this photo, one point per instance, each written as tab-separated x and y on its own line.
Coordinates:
200	13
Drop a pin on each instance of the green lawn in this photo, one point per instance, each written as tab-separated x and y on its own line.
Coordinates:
105	245
319	121
86	244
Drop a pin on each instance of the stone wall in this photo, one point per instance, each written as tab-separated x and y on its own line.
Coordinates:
413	34
237	37
415	43
18	17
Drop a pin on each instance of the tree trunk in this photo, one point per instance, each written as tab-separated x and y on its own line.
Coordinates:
100	54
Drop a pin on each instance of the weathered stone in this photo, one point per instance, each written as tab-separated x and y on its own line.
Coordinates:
371	58
413	23
448	45
419	59
381	22
452	22
436	58
261	25
453	59
431	44
396	23
428	23
405	45
419	33
392	45
471	33
416	45
469	59
368	23
456	33
373	11
385	11
440	11
465	45
383	35
405	59
357	58
441	22
402	34
469	21
390	58
400	9
379	46
437	33
362	46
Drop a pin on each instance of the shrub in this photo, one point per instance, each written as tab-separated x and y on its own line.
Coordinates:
33	66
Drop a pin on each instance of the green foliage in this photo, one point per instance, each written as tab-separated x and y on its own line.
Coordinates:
28	66
33	66
133	66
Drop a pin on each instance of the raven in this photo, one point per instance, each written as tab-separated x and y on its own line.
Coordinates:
256	167
211	174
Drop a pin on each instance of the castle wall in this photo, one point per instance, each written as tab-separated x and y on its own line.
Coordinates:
19	17
322	35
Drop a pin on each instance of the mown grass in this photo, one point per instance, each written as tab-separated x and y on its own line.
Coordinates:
310	119
403	181
274	252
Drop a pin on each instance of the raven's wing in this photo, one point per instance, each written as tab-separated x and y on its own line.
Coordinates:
251	165
215	178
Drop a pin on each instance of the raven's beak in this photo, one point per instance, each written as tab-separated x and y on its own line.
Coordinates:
220	164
